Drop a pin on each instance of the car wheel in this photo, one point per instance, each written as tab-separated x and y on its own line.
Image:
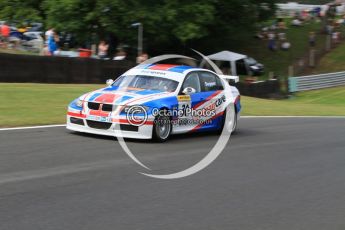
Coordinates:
161	128
234	126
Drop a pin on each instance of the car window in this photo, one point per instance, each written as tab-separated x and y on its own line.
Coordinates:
192	80
146	82
210	82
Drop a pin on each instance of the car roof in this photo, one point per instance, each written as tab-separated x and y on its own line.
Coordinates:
170	71
166	67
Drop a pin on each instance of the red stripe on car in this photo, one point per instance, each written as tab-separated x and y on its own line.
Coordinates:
162	67
79	115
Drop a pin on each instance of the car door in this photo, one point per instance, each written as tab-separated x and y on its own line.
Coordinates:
184	120
212	98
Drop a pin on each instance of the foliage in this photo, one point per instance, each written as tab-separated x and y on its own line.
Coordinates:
167	23
20	11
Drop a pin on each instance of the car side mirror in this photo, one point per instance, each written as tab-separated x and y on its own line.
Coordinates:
109	82
189	91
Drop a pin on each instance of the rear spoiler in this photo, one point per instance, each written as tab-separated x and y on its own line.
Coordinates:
230	78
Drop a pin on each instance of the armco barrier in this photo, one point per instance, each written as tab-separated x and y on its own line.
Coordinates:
320	81
38	69
262	89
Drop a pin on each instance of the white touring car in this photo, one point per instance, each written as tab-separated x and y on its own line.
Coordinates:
155	101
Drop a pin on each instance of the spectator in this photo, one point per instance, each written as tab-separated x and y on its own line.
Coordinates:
281	24
120	55
5	33
143	57
335	37
285	45
282	36
271	41
329	29
52	47
103	50
312	39
49	33
296	22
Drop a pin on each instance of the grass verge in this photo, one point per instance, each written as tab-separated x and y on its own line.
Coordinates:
333	61
40	104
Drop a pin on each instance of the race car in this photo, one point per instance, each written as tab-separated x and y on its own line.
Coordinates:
154	101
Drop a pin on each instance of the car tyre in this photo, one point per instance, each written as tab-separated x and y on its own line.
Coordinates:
234	127
161	128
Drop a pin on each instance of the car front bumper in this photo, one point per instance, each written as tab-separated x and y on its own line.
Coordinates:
116	129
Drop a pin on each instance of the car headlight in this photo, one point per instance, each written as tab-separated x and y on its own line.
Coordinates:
138	109
79	103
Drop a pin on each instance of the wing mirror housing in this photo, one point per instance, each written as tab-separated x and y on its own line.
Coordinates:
189	91
109	82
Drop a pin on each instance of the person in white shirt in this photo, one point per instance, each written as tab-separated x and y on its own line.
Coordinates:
48	34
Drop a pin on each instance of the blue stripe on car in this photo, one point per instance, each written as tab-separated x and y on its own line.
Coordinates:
73	105
123	99
180	69
94	96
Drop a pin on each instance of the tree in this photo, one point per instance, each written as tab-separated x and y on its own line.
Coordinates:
169	25
20	11
164	21
73	16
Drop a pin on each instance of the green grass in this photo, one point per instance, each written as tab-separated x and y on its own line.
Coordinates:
326	102
39	104
15	51
333	61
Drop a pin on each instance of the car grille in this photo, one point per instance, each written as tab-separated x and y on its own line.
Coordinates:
93	106
97	106
107	107
130	128
98	124
77	121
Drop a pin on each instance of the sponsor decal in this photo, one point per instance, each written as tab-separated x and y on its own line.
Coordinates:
210	84
98	118
220	101
151	72
183	98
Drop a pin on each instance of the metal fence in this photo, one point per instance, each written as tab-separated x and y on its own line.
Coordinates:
320	81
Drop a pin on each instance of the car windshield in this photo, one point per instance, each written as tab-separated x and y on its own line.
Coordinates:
251	61
146	82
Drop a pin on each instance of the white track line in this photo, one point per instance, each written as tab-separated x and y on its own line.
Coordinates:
32	127
245	117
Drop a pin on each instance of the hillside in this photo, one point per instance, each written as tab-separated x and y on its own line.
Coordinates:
279	61
333	61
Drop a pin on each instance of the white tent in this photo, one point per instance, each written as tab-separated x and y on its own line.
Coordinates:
228	56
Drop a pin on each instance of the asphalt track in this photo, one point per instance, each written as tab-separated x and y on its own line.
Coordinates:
276	173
